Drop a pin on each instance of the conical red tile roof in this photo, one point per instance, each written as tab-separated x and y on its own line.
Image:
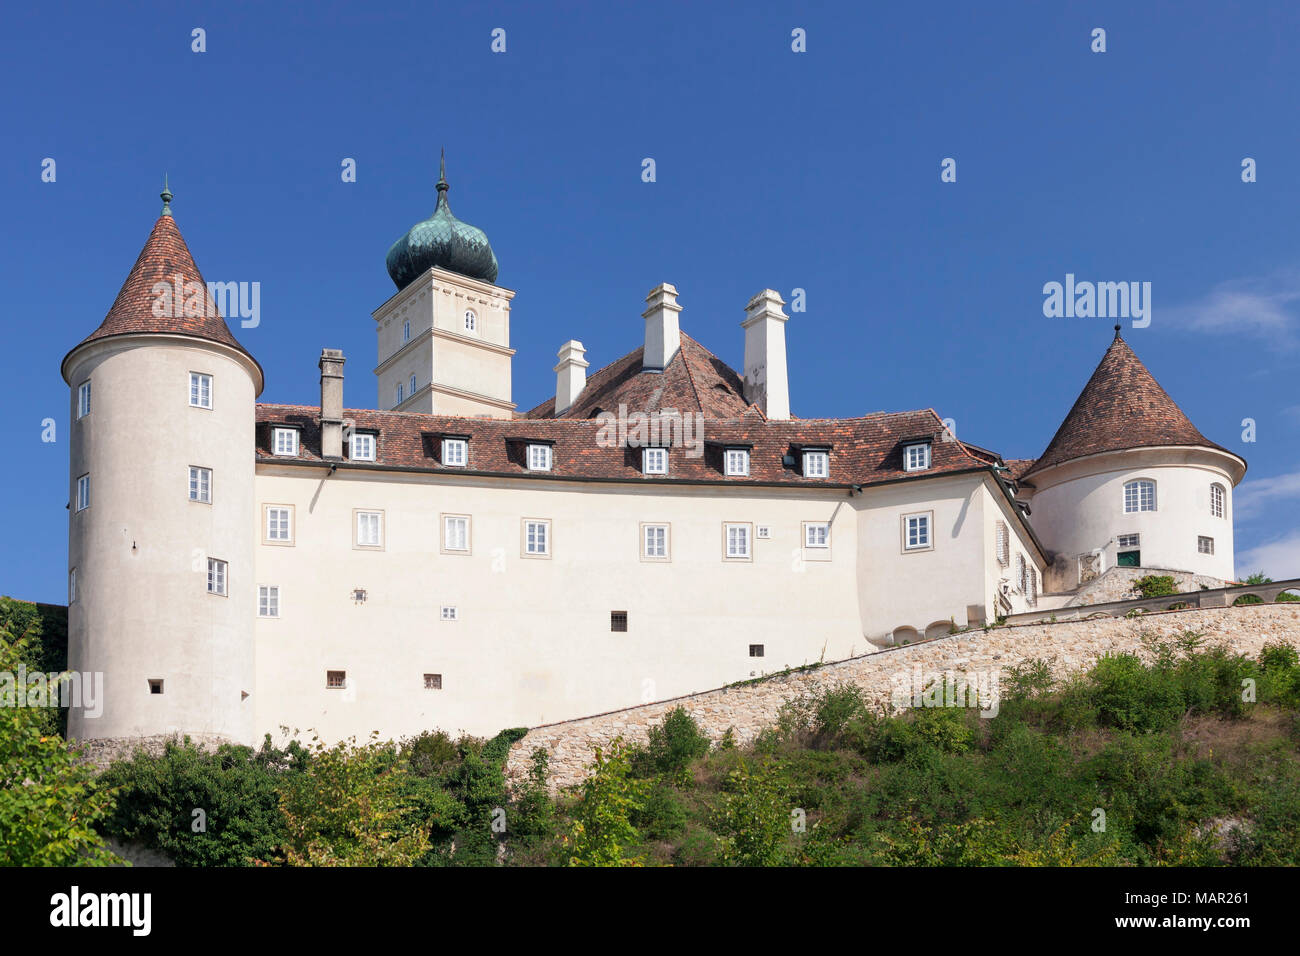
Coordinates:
164	258
1121	407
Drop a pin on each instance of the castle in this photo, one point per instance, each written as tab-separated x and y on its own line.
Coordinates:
661	526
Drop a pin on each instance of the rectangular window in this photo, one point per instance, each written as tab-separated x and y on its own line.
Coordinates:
756	650
83	492
406	331
1216	500
155	685
455	452
1130	541
539	457
654	461
370	529
285	441
1139	496
336	680
916	532
268	601
412	384
359	595
1002	543
201	484
398	390
537	538
654	542
216	576
449	613
279	523
816	534
1205	545
816	464
455	533
200	390
618	621
83	399
72	586
916	457
433	682
737	542
737	462
363	447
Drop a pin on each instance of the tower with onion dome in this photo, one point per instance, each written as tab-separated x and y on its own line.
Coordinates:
444	337
1129	481
162	507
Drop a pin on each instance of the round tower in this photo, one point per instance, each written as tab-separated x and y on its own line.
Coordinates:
1129	481
162	513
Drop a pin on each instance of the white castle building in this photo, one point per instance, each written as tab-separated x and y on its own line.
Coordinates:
661	526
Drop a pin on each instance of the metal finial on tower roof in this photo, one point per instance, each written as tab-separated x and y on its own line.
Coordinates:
1117	335
166	196
442	172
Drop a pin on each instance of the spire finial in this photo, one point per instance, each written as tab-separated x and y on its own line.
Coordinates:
1117	335
166	196
442	172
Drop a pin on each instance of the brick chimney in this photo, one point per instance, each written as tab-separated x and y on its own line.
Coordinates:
766	382
331	403
662	336
570	375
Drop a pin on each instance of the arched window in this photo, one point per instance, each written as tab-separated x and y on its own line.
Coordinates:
471	321
1139	495
1217	497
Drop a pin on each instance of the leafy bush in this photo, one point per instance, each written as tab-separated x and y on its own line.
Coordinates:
670	746
1130	696
1154	585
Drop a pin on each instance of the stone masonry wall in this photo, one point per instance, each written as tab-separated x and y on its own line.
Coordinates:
750	708
1116	584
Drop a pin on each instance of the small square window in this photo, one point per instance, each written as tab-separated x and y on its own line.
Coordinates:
201	484
363	446
156	685
336	680
370	529
1205	545
916	457
816	464
455	452
736	542
83	399
449	613
537	538
268	601
284	441
654	542
455	533
359	595
654	461
756	650
217	576
916	532
83	492
763	532
433	682
200	390
737	462
618	621
539	457
816	535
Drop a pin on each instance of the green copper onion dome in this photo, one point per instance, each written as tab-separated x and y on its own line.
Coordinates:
444	241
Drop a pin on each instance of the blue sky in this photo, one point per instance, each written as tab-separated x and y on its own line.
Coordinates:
816	170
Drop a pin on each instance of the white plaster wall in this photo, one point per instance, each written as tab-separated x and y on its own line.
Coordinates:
1079	507
141	548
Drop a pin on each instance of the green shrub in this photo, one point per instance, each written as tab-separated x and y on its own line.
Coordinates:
671	745
1130	696
1154	585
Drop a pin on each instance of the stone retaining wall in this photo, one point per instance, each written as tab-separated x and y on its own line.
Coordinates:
750	708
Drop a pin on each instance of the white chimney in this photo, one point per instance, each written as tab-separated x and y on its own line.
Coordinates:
331	403
662	336
571	375
766	382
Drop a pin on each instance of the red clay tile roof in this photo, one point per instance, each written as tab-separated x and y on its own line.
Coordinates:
695	380
863	451
163	258
1121	407
1019	467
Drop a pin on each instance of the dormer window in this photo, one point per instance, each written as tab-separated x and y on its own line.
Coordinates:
471	321
455	452
362	447
539	457
816	464
284	441
737	462
916	456
654	461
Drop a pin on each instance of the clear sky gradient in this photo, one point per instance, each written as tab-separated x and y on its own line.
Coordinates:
816	170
